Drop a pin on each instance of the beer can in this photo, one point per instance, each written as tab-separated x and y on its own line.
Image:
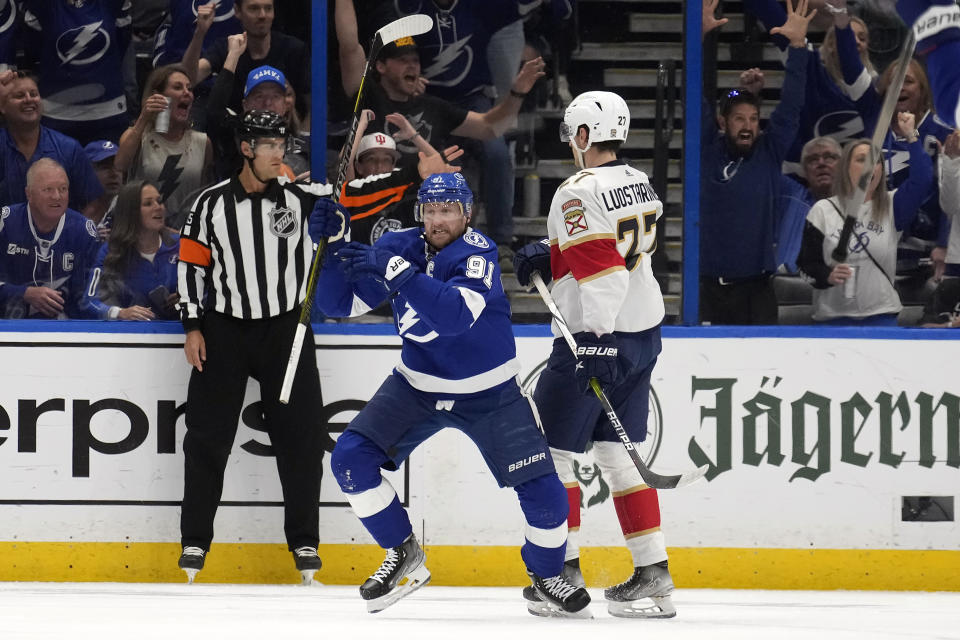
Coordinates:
162	123
850	284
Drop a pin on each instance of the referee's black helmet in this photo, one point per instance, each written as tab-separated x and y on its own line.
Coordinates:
261	124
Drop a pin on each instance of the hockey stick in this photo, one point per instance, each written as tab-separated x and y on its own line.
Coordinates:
654	480
405	27
852	205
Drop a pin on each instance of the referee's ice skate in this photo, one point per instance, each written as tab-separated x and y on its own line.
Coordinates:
191	561
308	563
403	571
557	596
627	599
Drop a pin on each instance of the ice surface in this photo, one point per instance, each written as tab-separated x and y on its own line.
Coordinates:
106	611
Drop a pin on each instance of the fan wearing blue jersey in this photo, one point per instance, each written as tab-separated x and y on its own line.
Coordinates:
80	47
458	368
47	249
135	276
937	26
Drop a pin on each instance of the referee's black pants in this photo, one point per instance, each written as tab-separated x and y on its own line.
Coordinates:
238	349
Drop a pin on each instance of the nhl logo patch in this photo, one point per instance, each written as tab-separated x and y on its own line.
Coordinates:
576	222
283	223
477	240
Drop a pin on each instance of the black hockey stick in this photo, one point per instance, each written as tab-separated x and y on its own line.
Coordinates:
405	27
852	205
654	480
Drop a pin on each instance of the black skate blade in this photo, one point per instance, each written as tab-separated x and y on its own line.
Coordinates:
411	582
661	608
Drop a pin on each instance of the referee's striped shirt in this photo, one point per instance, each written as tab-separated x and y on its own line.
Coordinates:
246	255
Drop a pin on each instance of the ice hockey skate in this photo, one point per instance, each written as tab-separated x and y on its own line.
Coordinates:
403	571
308	563
571	573
627	599
558	596
191	561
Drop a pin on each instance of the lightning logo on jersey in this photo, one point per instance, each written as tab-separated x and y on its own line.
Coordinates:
83	45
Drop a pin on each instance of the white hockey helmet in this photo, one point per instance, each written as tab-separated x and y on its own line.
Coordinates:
605	114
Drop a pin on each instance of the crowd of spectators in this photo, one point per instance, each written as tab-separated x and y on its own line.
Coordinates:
118	114
779	202
71	93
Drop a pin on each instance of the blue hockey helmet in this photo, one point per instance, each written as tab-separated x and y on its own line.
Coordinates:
445	187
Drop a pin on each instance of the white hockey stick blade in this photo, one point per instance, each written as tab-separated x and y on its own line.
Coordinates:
294	358
408	26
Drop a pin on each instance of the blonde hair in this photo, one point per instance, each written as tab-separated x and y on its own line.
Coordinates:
880	199
831	59
926	95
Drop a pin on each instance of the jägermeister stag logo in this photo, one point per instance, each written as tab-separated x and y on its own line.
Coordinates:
593	488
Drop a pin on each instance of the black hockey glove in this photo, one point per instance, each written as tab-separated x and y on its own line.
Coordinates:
533	257
597	358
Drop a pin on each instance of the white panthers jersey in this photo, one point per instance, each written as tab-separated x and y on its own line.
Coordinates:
602	228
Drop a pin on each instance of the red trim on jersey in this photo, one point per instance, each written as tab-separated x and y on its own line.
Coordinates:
558	265
573	497
588	258
638	511
195	253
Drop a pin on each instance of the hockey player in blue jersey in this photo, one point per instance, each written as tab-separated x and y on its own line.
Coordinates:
937	26
47	249
458	368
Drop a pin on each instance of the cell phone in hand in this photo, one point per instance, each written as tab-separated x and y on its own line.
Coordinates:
158	299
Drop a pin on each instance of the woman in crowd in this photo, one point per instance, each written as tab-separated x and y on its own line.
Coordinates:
860	288
135	277
179	159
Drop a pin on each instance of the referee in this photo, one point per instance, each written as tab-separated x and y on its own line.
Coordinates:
245	253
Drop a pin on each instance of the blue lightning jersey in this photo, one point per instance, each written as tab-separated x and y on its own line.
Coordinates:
931	227
173	36
453	55
10	19
81	47
59	260
134	286
453	315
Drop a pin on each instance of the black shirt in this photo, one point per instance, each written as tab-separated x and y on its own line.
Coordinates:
286	53
432	117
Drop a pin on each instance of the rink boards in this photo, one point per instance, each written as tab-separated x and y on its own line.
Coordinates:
813	438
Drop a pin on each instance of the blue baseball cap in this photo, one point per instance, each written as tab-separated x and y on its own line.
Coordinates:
100	150
263	74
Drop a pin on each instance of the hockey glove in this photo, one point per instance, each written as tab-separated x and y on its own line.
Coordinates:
597	358
361	261
329	220
533	257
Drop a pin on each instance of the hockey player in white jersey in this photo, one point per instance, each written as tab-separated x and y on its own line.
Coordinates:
602	232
